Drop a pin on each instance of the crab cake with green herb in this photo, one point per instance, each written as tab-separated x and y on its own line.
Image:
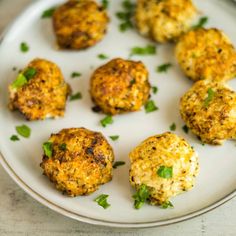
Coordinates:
77	161
120	86
209	110
166	165
206	54
164	21
39	91
79	24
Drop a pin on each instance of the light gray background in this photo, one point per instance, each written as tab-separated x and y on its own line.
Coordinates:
21	215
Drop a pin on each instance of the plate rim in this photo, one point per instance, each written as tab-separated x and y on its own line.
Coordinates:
56	208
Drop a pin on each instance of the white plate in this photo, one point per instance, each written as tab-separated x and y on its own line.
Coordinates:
217	180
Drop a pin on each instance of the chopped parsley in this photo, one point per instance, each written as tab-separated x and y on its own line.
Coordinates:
14	138
210	96
125	16
19	82
62	146
106	121
76	96
164	67
185	128
30	73
48	13
165	172
23	130
24	47
105	4
102	56
150	106
173	127
114	137
47	148
154	89
118	163
141	196
75	74
166	205
102	201
201	23
148	50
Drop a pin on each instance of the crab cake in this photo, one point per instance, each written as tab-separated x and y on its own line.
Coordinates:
77	161
79	24
39	91
209	110
166	20
166	164
120	86
206	54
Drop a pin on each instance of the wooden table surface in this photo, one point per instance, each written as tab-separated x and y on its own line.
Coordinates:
22	215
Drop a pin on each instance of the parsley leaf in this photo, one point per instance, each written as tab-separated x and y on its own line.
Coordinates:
118	163
14	138
141	196
24	47
19	81
164	67
114	137
105	4
48	13
201	23
210	96
30	73
47	148
165	172
63	146
102	56
23	130
148	50
76	96
106	121
185	128
75	74
154	89
102	200
173	127
166	205
150	106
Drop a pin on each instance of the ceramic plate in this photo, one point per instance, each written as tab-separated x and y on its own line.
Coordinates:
216	182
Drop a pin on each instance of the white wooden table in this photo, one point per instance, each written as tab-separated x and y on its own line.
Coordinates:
21	215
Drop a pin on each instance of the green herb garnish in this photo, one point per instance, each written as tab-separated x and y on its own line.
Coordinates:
154	89
63	146
201	23
150	106
105	4
14	138
75	74
106	121
148	50
48	13
185	128
125	25
141	196
114	137
102	200
164	67
102	56
23	130
118	163
19	82
165	172
173	127
76	96
24	47
30	73
210	96
47	148
166	205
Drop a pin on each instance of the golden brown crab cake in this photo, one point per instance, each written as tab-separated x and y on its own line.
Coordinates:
120	86
39	91
166	164
79	24
166	20
209	110
77	161
206	54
